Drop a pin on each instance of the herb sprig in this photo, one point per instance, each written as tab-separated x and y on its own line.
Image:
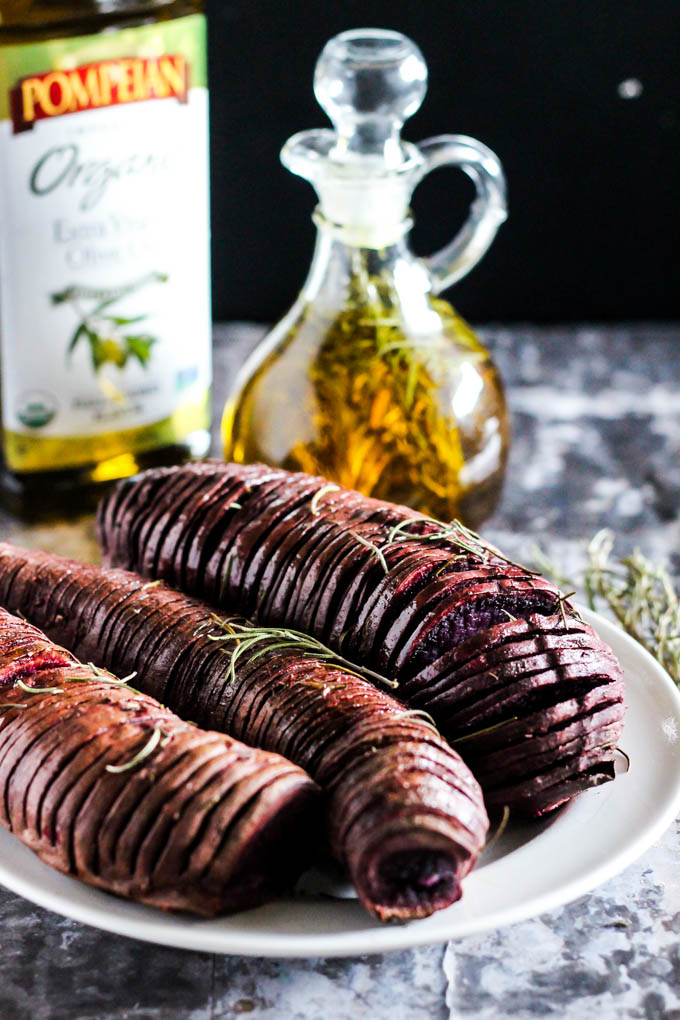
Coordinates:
246	637
640	594
455	533
148	749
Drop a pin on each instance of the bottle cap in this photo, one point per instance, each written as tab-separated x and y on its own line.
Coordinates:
369	81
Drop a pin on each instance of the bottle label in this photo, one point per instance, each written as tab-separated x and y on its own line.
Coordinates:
104	247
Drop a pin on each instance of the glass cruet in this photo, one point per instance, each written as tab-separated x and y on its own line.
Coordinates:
371	379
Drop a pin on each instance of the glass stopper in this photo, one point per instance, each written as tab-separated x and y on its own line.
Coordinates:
368	81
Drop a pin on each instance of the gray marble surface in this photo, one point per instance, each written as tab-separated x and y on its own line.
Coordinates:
596	443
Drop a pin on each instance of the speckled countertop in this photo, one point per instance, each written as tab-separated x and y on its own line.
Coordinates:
596	443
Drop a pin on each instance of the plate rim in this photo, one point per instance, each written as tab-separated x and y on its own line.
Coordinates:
150	925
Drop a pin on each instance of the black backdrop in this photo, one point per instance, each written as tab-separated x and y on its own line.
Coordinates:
593	176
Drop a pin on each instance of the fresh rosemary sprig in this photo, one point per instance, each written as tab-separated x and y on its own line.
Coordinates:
107	678
420	715
246	637
103	674
375	549
455	533
38	690
487	729
502	826
639	593
150	746
641	596
318	496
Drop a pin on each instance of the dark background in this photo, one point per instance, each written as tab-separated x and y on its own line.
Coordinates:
593	177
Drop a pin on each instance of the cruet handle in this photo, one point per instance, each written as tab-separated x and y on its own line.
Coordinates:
487	212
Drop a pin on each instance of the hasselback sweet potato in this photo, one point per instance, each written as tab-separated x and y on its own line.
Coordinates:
105	784
401	593
404	814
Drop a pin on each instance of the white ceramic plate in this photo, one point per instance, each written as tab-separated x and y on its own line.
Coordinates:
531	869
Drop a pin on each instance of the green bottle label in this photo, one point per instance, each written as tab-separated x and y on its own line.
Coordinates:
104	244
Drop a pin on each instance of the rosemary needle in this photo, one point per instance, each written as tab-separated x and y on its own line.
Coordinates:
376	550
318	496
148	749
246	637
38	690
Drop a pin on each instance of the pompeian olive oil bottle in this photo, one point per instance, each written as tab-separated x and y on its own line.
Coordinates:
371	378
105	347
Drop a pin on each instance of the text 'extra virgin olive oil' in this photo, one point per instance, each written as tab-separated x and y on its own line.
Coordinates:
105	340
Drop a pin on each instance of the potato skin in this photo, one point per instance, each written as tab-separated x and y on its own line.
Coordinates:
105	784
403	813
291	550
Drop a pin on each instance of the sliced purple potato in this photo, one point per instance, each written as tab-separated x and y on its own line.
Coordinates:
74	743
476	640
385	771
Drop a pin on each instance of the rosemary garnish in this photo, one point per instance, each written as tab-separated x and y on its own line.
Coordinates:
456	533
107	678
38	690
487	729
211	802
148	749
561	599
103	674
318	496
421	716
626	756
639	593
375	549
246	637
502	826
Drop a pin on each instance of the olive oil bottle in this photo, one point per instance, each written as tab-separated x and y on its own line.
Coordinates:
105	343
372	379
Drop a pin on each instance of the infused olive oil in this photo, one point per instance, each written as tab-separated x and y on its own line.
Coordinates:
356	397
104	280
371	379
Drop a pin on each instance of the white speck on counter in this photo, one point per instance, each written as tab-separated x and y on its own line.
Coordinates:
607	404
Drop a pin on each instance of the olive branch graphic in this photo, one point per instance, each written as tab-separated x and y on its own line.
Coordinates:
105	332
